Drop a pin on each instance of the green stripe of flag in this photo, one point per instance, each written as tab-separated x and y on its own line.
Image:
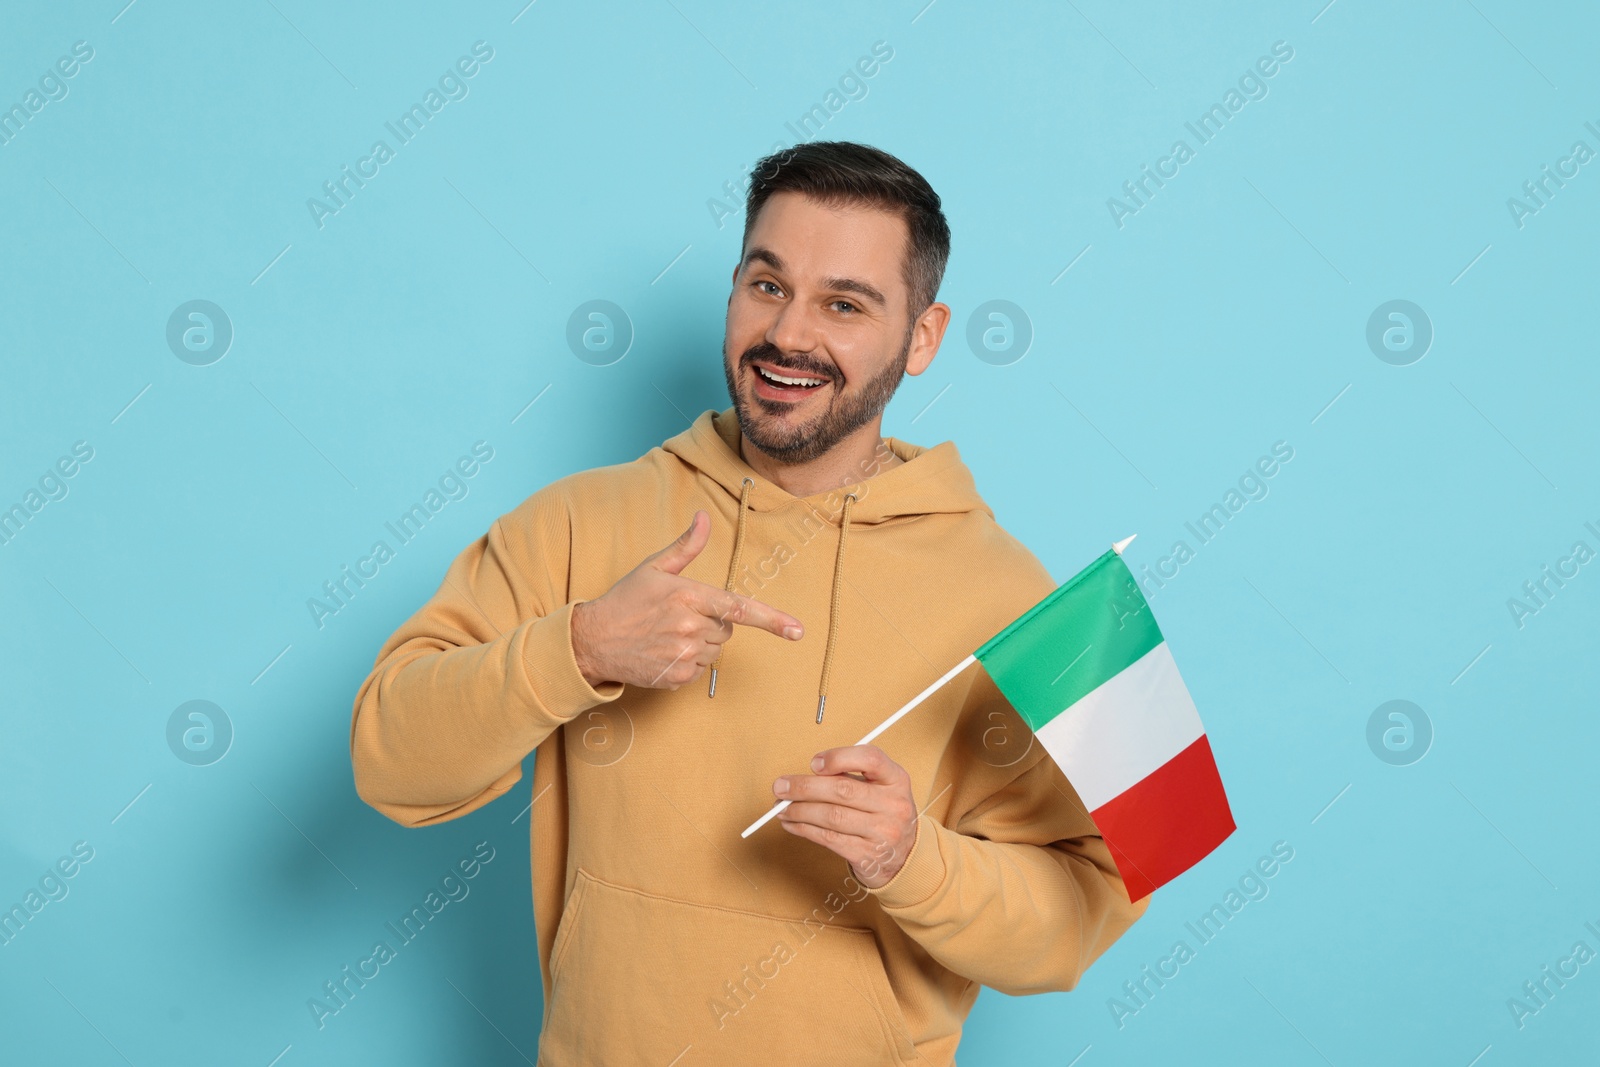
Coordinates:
1080	636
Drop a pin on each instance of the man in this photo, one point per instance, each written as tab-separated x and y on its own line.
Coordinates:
819	558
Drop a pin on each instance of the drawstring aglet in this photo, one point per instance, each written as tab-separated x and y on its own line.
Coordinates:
713	690
821	703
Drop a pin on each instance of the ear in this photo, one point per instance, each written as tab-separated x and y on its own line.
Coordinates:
926	336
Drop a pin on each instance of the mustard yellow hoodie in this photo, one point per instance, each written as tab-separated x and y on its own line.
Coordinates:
663	937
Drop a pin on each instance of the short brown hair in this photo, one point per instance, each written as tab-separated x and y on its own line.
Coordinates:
844	172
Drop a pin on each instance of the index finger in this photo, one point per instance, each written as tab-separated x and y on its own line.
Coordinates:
744	610
867	760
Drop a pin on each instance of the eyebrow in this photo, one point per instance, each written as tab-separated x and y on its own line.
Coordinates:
844	285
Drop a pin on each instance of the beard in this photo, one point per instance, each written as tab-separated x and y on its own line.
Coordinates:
761	420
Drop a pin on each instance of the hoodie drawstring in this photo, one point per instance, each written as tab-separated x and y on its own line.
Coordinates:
733	569
833	607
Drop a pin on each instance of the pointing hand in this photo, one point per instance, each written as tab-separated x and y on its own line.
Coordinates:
657	629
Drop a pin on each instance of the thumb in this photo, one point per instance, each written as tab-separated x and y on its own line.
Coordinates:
682	551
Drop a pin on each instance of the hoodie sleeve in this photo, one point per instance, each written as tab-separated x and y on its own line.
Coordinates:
477	678
1021	894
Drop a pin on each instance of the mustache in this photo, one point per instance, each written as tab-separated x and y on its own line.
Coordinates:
768	353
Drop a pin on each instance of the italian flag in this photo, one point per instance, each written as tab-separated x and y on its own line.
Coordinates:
1089	671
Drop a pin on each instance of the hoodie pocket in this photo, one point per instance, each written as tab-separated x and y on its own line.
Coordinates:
638	978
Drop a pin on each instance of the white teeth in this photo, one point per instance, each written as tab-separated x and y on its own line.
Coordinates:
785	380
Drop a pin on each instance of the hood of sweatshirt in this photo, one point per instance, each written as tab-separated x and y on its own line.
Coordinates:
930	481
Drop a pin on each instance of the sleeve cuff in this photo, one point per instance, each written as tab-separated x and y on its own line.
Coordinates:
551	669
923	873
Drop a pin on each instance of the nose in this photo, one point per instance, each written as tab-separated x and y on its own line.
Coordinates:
793	329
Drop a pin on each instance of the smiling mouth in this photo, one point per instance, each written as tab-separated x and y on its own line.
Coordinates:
786	382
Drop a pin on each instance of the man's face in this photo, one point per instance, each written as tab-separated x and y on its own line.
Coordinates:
820	298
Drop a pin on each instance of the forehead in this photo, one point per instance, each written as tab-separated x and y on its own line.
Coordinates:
816	240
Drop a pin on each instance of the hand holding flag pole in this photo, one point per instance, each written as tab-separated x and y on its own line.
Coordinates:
880	728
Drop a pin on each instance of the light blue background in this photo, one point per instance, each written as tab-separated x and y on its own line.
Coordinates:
1227	314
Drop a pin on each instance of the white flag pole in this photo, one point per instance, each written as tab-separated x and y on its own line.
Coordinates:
880	728
897	716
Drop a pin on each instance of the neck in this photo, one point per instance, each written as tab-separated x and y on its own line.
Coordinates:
854	459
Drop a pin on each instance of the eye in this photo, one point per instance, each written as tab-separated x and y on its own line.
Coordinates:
845	304
774	285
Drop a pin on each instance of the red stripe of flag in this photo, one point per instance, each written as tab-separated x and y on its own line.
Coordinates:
1168	822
